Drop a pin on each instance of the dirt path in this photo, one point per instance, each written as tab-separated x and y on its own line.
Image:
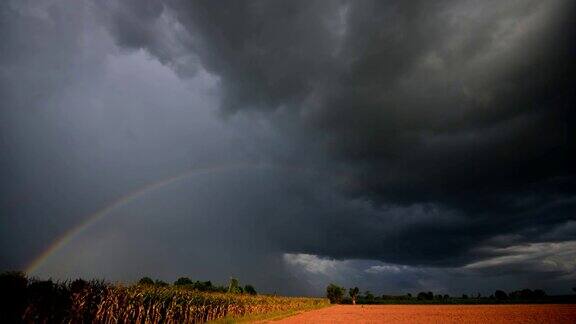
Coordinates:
492	314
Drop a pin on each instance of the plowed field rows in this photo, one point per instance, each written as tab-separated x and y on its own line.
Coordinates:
492	314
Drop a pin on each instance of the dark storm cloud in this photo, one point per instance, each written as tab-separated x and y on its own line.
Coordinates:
447	107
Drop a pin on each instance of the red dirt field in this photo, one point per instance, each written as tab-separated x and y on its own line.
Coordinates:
492	314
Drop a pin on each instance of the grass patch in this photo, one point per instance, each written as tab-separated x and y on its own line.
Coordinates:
264	317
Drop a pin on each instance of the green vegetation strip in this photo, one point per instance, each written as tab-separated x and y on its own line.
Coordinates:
336	295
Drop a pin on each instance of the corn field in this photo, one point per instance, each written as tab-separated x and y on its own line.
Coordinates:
173	305
79	301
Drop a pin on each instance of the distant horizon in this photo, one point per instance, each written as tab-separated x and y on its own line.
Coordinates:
265	291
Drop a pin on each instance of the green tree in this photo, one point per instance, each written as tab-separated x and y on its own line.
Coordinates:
160	283
249	289
334	293
204	286
353	292
539	294
500	295
234	286
368	296
425	295
183	281
145	281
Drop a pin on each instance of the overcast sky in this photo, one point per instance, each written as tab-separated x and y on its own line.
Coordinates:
397	146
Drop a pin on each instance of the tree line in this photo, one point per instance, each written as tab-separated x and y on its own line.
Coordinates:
205	286
340	295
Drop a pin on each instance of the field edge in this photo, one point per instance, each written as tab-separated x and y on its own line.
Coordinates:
267	317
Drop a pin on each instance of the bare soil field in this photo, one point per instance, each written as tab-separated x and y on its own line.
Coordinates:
438	314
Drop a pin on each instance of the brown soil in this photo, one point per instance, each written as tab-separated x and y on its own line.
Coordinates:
492	314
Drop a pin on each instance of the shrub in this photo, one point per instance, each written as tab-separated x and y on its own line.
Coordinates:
500	295
425	295
250	290
334	293
146	281
161	283
12	296
234	286
368	296
183	281
539	294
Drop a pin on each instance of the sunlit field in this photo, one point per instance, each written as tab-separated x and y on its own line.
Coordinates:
439	314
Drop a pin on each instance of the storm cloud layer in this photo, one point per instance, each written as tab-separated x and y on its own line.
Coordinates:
407	142
461	107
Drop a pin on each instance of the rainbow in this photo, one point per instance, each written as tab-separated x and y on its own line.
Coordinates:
92	219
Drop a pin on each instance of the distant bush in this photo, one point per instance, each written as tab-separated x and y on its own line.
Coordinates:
249	289
161	283
182	281
425	295
146	281
334	293
500	295
527	294
368	296
13	296
399	298
539	294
